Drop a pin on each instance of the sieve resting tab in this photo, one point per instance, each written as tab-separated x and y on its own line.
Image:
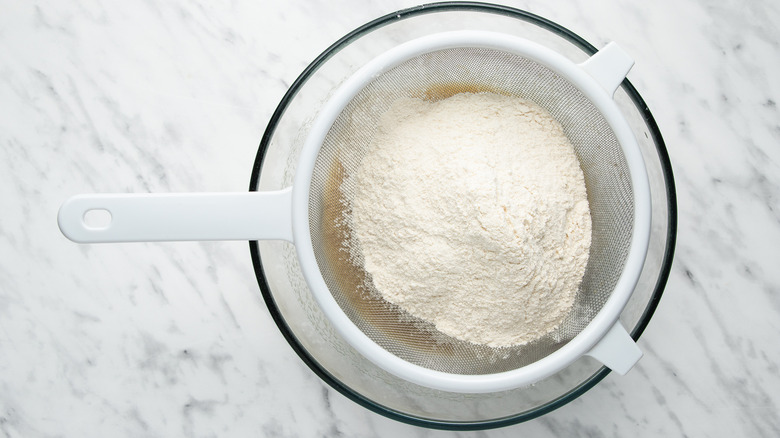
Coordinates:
609	66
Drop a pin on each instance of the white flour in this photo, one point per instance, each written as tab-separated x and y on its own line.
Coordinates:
471	213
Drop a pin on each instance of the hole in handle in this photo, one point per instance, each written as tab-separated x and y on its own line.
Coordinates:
97	218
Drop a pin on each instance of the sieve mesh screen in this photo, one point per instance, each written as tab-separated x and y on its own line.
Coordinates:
438	75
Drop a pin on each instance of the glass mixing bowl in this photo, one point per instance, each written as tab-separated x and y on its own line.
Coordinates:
299	317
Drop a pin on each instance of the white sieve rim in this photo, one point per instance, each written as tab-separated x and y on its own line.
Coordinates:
599	325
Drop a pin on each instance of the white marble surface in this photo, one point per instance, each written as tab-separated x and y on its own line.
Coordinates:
173	339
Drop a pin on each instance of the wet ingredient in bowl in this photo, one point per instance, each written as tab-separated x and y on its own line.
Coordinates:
471	213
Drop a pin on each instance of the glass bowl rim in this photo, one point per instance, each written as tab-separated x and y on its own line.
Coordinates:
511	12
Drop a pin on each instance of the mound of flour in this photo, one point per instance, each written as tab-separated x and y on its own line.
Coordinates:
471	213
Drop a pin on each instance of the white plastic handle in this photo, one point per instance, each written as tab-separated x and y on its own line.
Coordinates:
617	350
609	66
178	217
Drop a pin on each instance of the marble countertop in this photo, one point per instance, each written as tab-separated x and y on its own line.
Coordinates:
174	339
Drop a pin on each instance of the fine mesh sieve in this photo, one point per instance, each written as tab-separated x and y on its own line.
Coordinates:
309	212
436	67
440	74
